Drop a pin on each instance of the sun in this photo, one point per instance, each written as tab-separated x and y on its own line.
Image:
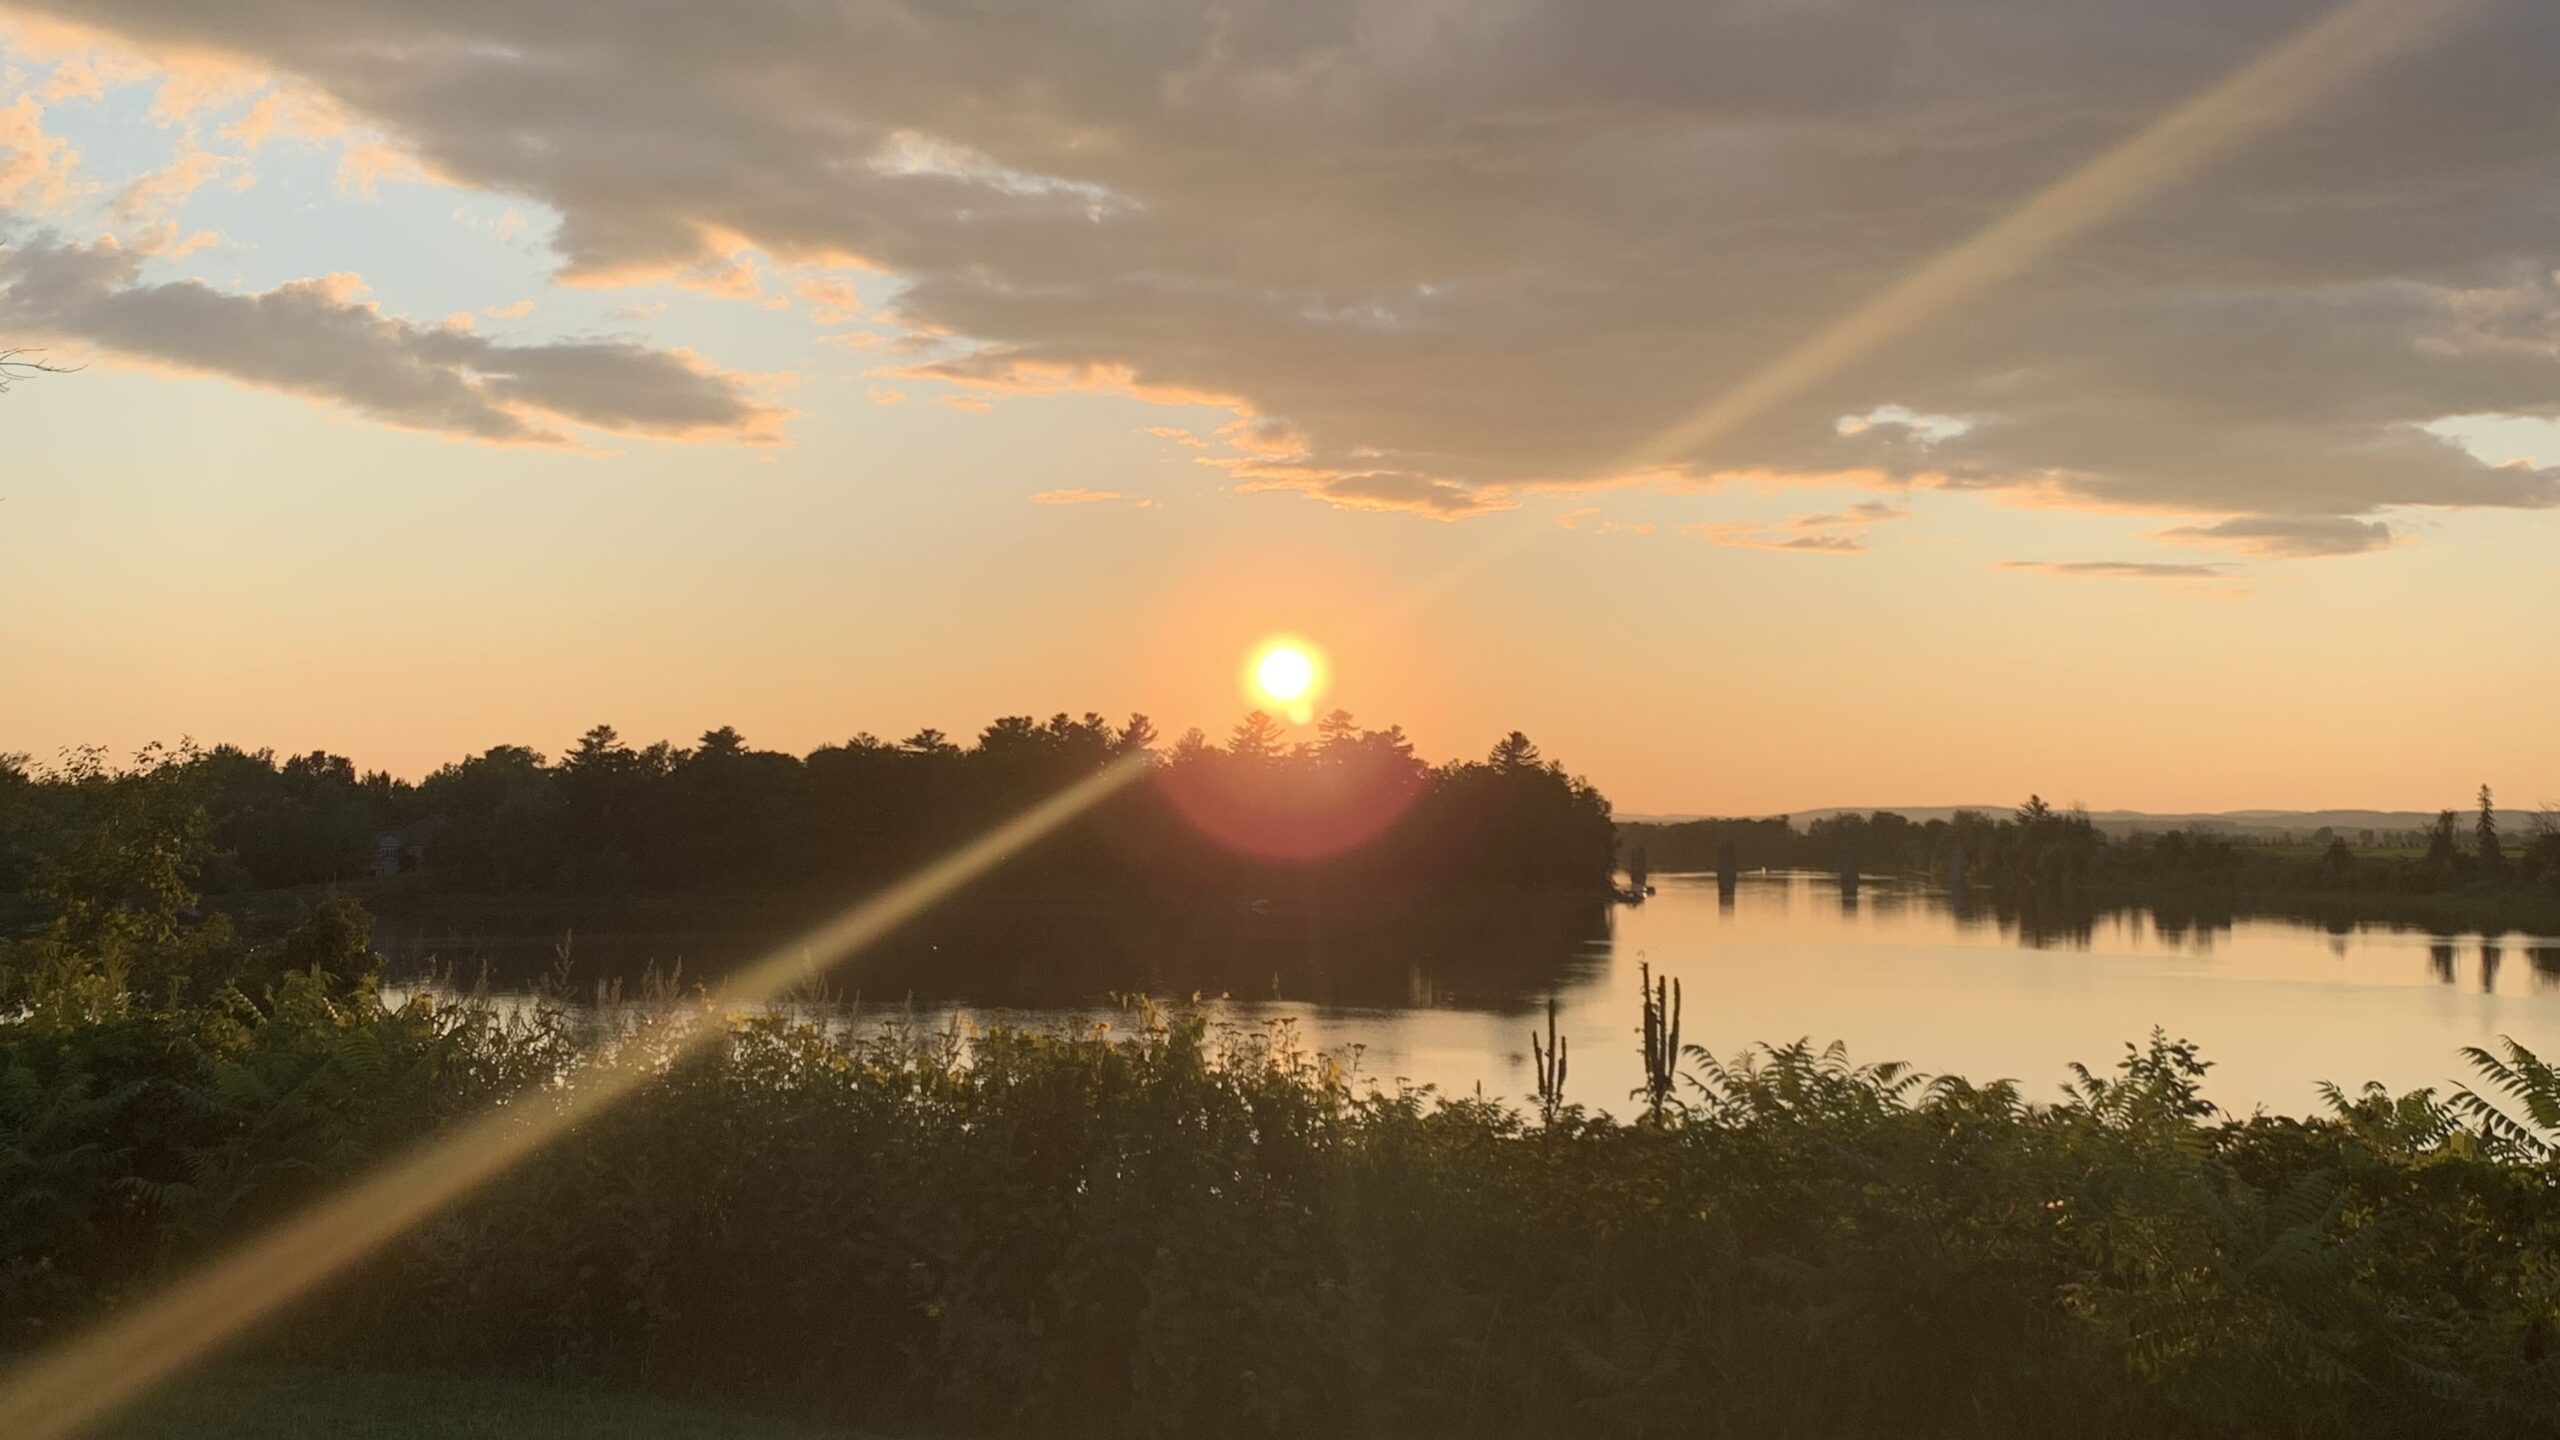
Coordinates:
1286	674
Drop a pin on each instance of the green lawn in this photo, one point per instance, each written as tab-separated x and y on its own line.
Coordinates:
329	1405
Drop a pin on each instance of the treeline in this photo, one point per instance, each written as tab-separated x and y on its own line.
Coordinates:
2481	864
1347	808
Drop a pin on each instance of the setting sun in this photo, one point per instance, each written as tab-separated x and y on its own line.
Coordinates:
1286	674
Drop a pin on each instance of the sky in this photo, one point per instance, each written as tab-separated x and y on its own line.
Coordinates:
1768	406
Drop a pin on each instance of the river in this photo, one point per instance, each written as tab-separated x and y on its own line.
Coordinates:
1897	973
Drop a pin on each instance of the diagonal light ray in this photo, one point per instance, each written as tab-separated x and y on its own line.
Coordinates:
2305	68
73	1385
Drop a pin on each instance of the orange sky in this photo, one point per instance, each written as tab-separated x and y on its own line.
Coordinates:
2099	464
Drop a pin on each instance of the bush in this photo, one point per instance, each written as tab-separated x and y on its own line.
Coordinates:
1183	1231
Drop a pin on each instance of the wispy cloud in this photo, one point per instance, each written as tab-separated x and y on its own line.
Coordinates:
1838	532
1587	520
2119	569
831	302
2287	535
1743	535
1077	495
37	169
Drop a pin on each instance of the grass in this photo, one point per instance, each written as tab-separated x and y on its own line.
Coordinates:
281	1404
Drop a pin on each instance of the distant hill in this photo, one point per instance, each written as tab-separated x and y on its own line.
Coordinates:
2252	824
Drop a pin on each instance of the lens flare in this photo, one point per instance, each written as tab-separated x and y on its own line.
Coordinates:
1287	675
2291	77
71	1386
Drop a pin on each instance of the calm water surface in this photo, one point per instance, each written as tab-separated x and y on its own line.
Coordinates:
1897	973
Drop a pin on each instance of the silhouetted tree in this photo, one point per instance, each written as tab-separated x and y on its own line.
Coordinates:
2442	852
1257	737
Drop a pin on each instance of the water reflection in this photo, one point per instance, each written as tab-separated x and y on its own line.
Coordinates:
1980	987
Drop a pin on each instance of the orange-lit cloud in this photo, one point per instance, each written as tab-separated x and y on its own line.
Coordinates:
36	169
287	113
1587	521
366	164
1838	532
1077	496
1742	535
831	302
155	194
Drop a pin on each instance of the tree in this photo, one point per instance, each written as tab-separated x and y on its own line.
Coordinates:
17	363
125	868
2485	832
2441	850
1515	752
1139	734
1257	737
929	741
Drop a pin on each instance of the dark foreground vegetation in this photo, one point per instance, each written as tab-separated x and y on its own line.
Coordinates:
270	1403
1341	812
1169	1231
2476	872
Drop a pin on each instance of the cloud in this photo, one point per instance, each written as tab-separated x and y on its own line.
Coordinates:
1838	532
1587	521
1077	495
36	169
831	302
163	238
285	112
1459	253
2287	535
157	194
2118	569
1870	512
366	164
1922	429
510	311
1743	535
319	339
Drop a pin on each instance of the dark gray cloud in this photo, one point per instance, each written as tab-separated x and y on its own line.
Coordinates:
316	338
1454	248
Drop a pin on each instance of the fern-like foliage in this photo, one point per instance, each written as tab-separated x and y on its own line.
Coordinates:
2524	1080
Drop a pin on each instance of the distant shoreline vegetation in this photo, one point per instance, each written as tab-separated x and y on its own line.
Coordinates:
2480	871
1336	812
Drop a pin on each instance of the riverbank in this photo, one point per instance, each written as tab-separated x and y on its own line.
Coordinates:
2488	912
1023	945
